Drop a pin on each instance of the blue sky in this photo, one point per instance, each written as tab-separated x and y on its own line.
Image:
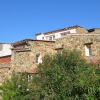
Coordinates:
20	19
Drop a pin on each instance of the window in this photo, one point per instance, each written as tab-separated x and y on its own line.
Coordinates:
42	38
65	33
20	47
52	37
38	59
59	49
88	50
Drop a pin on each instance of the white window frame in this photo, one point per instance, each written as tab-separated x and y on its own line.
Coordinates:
51	37
88	50
64	33
38	59
42	38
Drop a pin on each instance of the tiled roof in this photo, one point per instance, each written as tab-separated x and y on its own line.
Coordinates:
59	30
22	42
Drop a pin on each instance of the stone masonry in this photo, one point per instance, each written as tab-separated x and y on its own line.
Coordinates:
26	54
4	71
79	41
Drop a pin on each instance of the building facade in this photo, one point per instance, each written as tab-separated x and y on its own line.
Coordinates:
60	33
28	53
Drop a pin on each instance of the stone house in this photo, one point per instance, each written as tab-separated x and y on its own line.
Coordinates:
26	54
87	44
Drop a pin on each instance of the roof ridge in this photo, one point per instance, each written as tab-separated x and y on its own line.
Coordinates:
66	28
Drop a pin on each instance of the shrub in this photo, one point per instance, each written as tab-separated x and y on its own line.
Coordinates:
64	76
68	76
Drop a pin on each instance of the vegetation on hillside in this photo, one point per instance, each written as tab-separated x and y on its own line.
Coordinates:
64	76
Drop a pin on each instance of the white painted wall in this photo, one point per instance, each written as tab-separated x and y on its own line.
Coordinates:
72	31
56	34
39	37
50	35
6	50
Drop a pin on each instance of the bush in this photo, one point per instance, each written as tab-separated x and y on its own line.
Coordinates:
17	88
67	76
64	76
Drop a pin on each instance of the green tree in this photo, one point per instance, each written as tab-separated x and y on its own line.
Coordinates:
17	88
64	76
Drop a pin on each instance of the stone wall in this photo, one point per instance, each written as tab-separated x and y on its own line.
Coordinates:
25	60
4	71
21	60
80	30
42	48
78	41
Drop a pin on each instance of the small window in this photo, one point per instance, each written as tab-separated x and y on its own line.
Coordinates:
50	38
59	50
53	37
42	38
88	50
65	33
38	59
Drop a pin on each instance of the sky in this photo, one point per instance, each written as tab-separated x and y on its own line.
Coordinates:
22	19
